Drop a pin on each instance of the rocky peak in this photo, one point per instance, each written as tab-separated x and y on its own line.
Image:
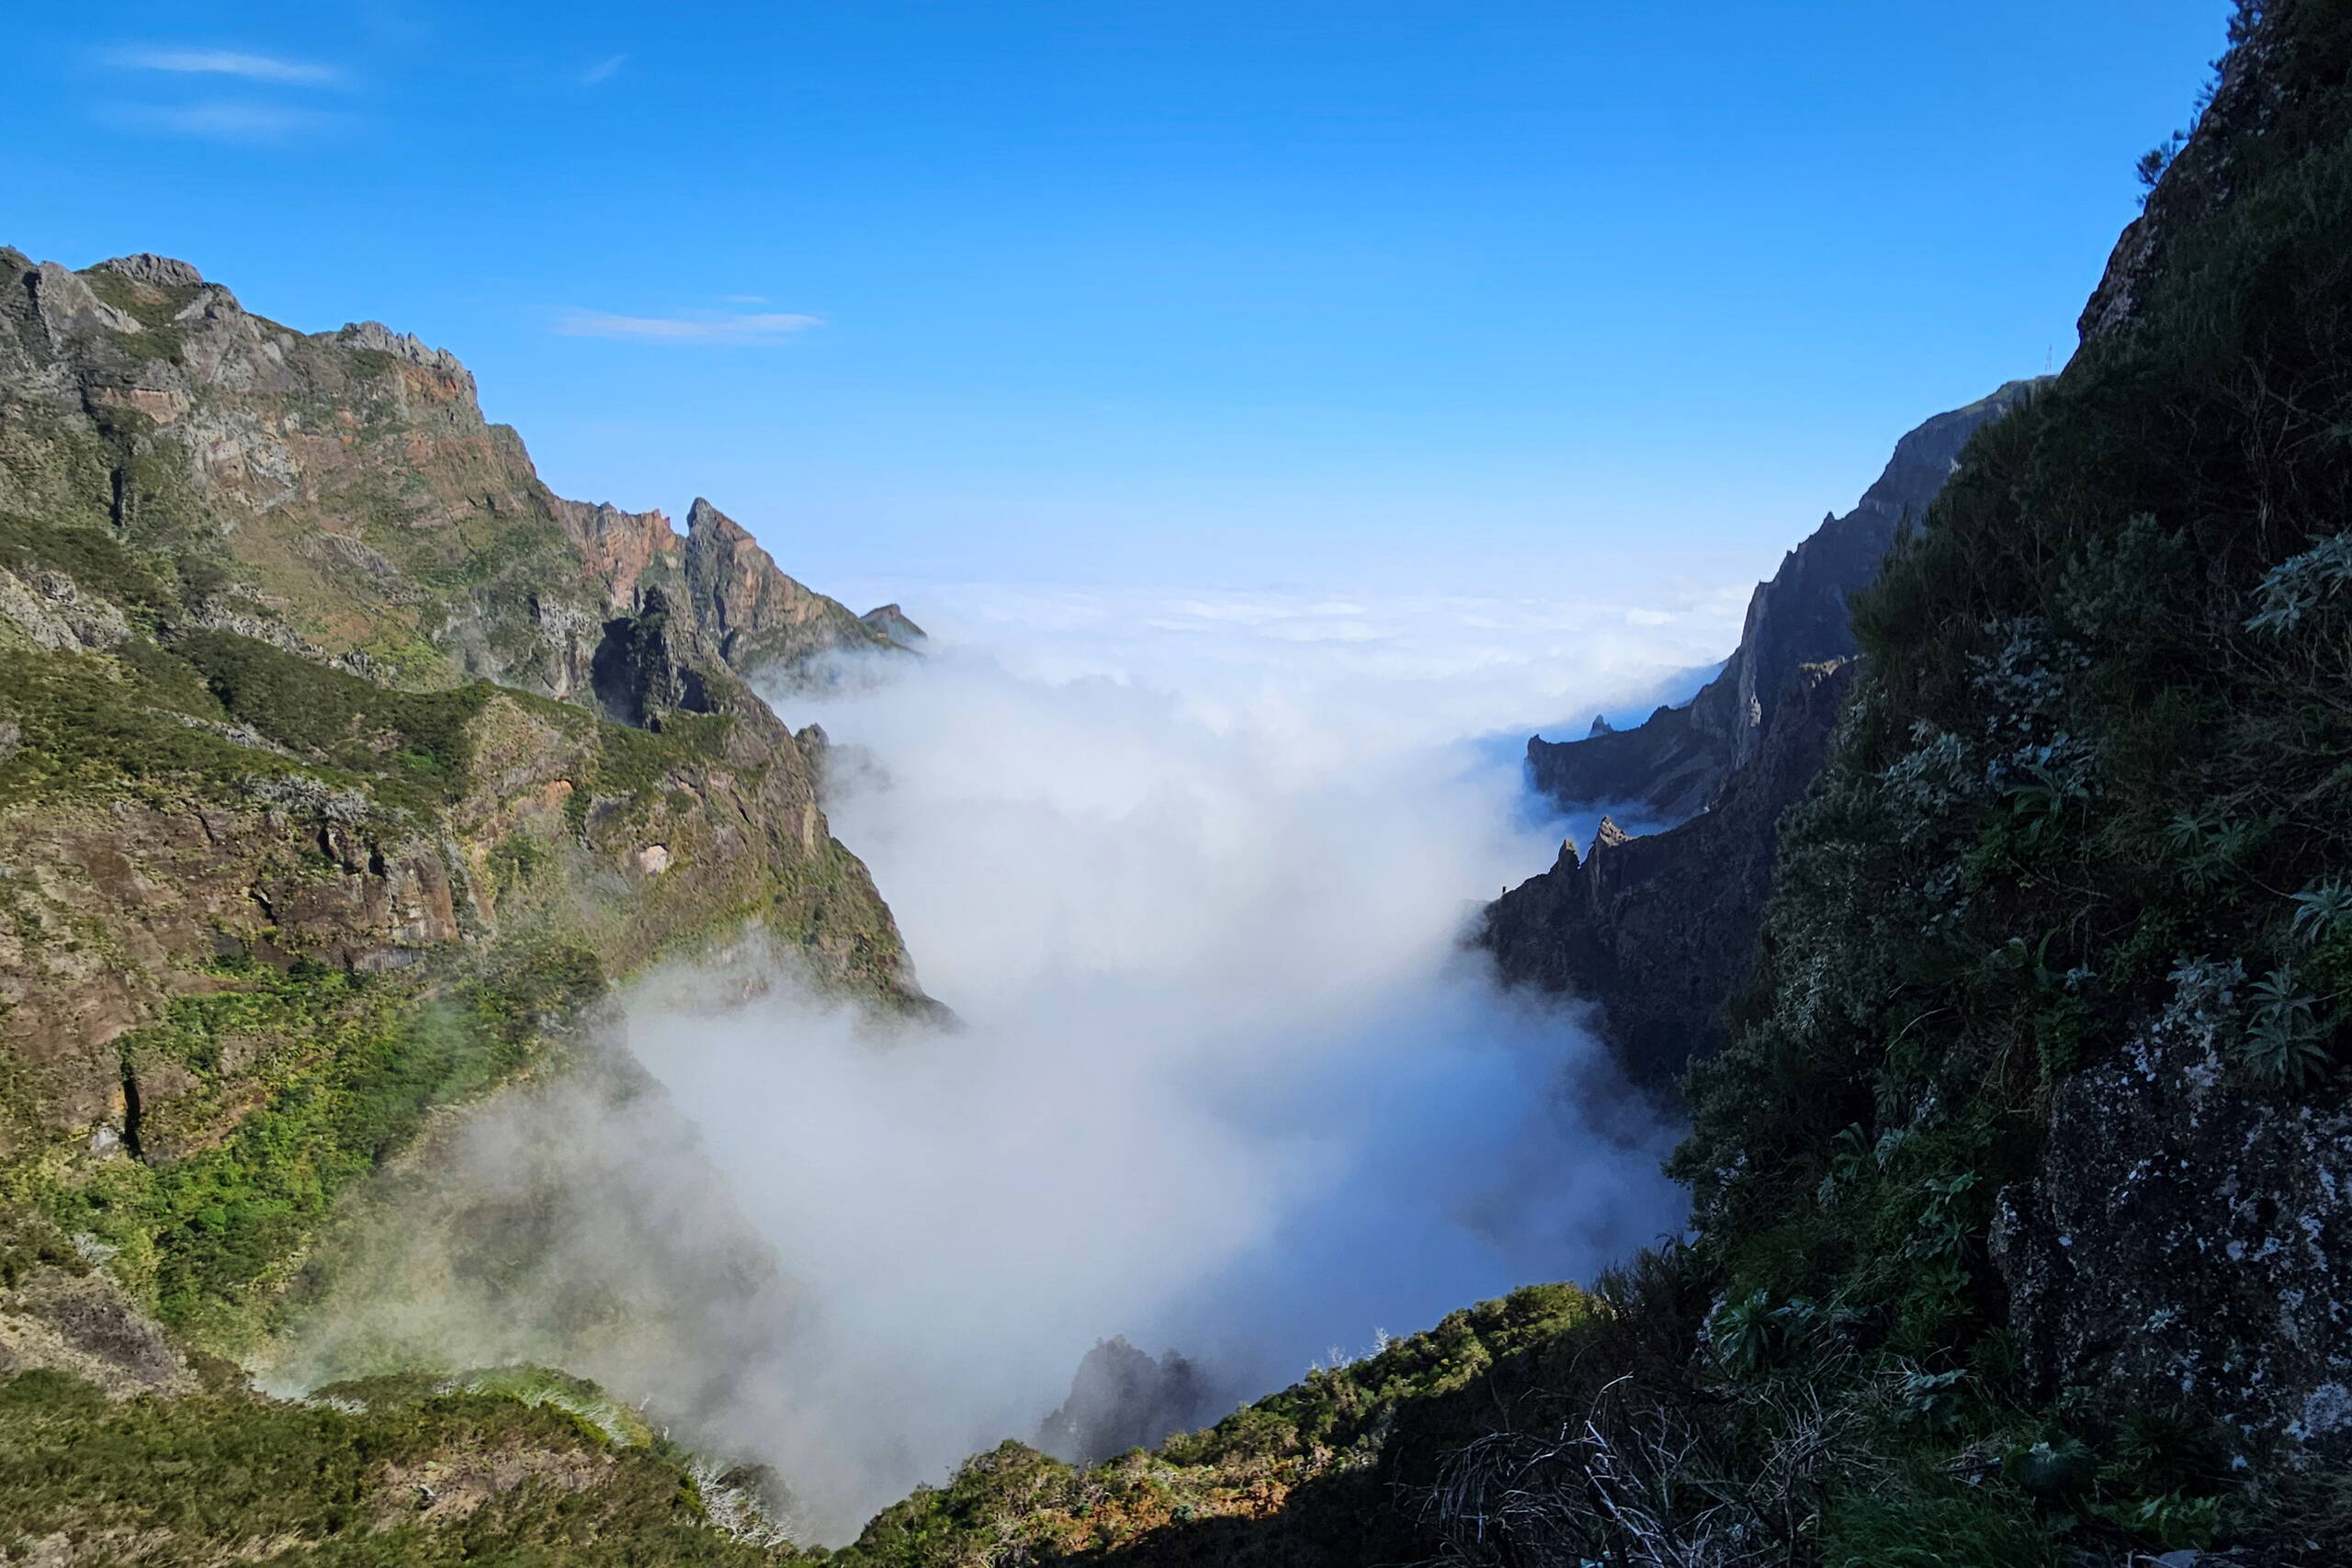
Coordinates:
159	272
626	551
1679	759
381	339
758	618
1122	1398
706	520
1608	836
892	622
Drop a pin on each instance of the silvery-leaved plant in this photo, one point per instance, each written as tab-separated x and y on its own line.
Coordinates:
2298	586
2322	912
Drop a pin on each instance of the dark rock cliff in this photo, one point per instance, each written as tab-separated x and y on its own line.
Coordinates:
1656	929
1674	762
2185	1242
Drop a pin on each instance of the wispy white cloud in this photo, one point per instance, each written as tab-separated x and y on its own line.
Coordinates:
1195	889
603	69
227	62
219	122
703	326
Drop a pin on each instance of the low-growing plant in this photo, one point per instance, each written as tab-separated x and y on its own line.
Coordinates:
2283	1042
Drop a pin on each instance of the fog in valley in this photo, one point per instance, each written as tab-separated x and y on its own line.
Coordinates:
1191	873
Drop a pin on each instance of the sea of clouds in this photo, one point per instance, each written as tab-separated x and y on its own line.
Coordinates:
1192	869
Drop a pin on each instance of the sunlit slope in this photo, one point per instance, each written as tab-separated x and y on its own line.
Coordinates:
341	770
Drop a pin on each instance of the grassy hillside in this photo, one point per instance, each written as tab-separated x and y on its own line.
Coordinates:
372	1475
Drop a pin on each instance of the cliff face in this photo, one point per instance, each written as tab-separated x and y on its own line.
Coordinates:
1674	760
340	492
1657	930
760	621
339	762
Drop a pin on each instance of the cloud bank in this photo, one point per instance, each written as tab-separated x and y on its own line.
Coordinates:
1192	869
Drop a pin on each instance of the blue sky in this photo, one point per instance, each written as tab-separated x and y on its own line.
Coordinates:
1480	297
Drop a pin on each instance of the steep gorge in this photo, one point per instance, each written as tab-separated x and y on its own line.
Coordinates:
2020	1162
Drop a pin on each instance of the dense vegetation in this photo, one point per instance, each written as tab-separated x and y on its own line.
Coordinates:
2095	777
1306	1476
373	1476
206	1232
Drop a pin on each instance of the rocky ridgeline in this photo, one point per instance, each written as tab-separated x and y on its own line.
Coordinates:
1676	761
1656	929
349	492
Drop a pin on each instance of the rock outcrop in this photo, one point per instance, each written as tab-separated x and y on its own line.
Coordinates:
762	621
892	622
81	1323
1674	762
1658	928
1122	1399
2186	1245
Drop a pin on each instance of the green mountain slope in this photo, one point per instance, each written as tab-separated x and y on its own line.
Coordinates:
342	768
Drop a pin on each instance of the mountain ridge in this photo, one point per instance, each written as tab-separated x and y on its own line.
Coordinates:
1656	929
1675	761
350	489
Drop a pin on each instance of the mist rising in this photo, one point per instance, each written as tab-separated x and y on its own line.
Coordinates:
1224	1083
